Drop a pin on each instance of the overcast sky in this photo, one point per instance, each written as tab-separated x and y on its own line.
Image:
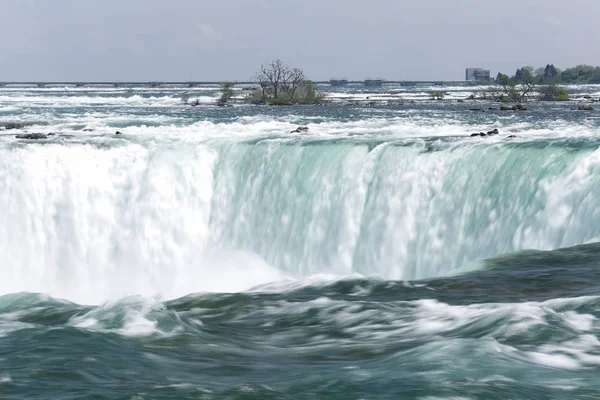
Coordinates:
229	39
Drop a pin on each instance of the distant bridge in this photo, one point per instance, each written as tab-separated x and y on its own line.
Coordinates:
42	84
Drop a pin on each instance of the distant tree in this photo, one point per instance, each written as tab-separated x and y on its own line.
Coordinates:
550	71
553	93
281	85
518	75
570	75
581	74
516	90
524	74
502	78
226	93
548	75
539	73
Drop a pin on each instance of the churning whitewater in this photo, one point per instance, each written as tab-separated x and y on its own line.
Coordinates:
383	253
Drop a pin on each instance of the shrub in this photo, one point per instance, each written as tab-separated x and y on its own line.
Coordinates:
226	93
553	93
437	95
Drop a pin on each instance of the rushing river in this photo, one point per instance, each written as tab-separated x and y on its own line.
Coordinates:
208	253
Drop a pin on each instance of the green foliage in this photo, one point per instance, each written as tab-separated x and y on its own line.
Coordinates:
309	94
256	96
553	93
581	74
524	75
502	79
549	75
437	95
516	88
226	93
278	101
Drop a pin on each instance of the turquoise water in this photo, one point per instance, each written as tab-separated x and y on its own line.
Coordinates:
210	253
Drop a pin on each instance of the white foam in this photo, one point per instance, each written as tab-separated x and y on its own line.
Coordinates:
555	360
567	388
182	204
581	322
406	124
496	378
9	327
133	316
439	324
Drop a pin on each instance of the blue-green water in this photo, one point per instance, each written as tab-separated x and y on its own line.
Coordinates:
209	253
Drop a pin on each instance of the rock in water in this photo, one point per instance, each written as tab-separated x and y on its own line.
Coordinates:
493	132
300	129
14	125
33	136
517	107
118	133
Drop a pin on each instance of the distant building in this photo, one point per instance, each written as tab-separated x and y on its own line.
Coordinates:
478	74
373	82
338	82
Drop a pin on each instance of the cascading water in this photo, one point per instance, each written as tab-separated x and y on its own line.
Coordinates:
104	218
400	212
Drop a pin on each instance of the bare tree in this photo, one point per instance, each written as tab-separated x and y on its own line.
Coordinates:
294	79
270	76
514	91
280	84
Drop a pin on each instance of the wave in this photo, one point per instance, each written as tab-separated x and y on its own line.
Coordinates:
558	333
317	341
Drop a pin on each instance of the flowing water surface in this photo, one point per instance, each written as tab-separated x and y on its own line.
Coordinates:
209	253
